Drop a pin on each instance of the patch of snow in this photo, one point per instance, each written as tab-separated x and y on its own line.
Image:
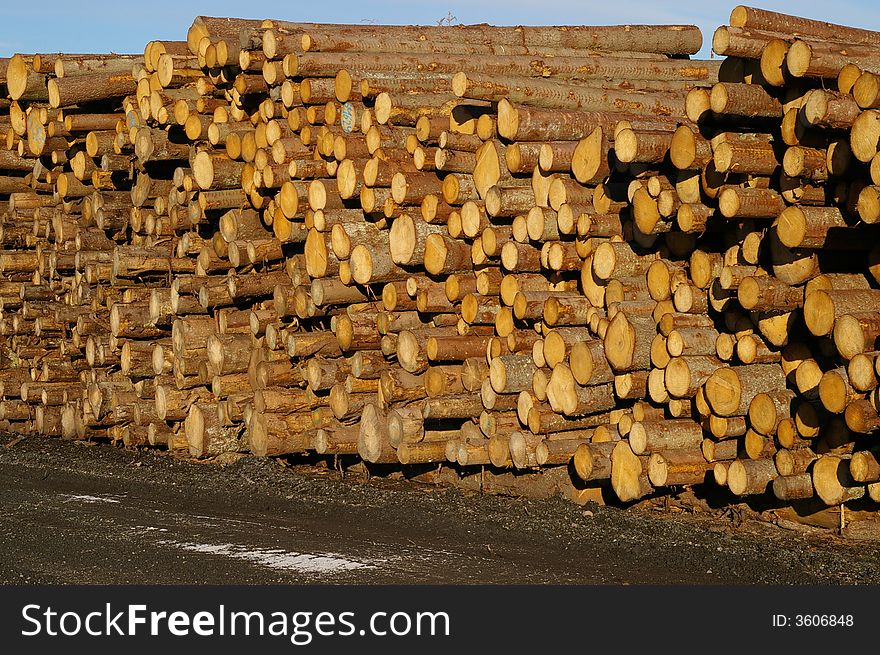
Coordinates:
85	498
279	559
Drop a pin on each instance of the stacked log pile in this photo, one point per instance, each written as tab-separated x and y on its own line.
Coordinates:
786	171
571	253
413	202
67	209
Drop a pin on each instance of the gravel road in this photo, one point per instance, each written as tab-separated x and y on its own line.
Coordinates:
75	513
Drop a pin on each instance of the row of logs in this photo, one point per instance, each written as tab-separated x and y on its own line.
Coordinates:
572	253
775	312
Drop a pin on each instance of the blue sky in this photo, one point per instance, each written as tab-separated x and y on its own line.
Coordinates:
114	26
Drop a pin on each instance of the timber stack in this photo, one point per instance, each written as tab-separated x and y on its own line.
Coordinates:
570	256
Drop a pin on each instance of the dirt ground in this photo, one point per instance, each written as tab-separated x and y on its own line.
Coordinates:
76	513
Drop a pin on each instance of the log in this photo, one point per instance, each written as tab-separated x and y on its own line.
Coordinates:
730	390
746	100
672	39
677	467
749	477
90	87
550	94
823	307
628	342
628	477
204	434
659	436
592	461
833	481
271	435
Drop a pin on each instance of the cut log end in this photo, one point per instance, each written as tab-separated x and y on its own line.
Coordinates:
628	479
